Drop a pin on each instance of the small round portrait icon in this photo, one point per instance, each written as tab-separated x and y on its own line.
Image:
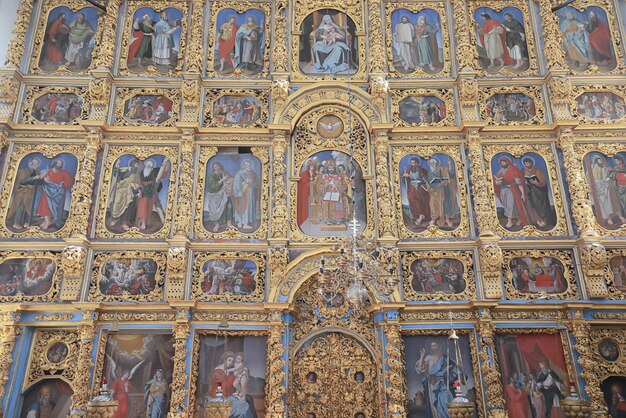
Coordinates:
359	415
57	353
310	415
608	350
311	377
359	377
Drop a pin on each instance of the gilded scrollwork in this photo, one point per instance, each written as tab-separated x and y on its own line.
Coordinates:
105	56
478	175
54	352
195	53
147	287
445	95
72	265
124	109
387	225
205	154
498	6
280	223
535	113
396	386
517	151
38	46
275	388
425	152
17	45
595	368
435	316
280	54
178	407
219	105
113	154
376	37
460	275
21	151
564	287
613	274
415	7
41	271
204	279
86	333
239	7
132	7
582	97
37	94
8	336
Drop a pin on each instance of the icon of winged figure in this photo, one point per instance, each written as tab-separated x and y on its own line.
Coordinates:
121	386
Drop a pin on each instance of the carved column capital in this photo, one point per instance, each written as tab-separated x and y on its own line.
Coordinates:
280	93
72	265
177	258
99	96
594	259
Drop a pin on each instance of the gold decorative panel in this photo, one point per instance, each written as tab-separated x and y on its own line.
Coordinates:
146	107
55	105
512	105
235	108
54	354
32	276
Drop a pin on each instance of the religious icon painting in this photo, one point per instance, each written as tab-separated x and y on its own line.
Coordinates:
154	39
422	110
600	107
149	108
241	41
606	178
138	200
28	277
510	107
41	193
436	369
138	369
232	193
417	40
587	38
539	273
326	200
229	276
534	374
504	39
609	350
236	110
329	45
614	391
67	37
446	275
130	275
231	371
526	190
50	397
58	108
616	274
57	353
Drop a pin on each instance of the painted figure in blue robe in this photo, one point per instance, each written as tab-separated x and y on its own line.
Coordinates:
155	396
438	374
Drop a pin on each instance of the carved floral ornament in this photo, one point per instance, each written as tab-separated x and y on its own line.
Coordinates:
54	353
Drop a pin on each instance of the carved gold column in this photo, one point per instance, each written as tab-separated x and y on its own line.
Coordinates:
190	91
280	217
280	58
103	58
396	388
379	89
491	374
489	252
178	400
377	55
580	330
194	51
468	99
275	386
9	330
387	224
99	94
280	93
82	205
17	45
278	261
87	331
465	49
73	261
552	39
560	97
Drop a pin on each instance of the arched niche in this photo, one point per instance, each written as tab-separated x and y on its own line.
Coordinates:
50	395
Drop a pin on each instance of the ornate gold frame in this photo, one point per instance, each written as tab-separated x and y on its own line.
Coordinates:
602	367
100	259
498	6
480	406
445	95
306	142
35	92
301	9
415	7
20	151
607	6
142	152
49	6
610	282
259	291
195	357
546	152
214	94
240	7
465	257
133	6
204	155
578	91
533	92
608	149
38	364
565	257
55	281
426	151
124	94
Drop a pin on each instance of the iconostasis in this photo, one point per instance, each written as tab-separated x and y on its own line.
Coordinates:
174	174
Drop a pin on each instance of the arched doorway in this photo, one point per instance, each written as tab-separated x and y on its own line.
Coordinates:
333	375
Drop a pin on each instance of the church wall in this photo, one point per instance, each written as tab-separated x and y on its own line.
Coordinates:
174	174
